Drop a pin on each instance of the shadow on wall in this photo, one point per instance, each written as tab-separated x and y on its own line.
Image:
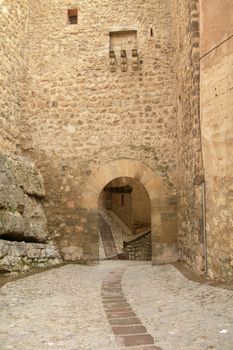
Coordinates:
129	200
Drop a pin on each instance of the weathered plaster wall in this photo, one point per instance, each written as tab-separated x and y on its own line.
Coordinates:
123	211
190	169
13	23
77	115
217	132
141	209
136	211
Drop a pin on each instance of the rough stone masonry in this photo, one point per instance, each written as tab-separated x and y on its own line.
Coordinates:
144	82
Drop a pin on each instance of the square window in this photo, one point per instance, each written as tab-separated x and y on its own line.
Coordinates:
73	16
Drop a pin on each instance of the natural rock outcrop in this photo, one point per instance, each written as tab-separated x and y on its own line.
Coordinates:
23	225
21	187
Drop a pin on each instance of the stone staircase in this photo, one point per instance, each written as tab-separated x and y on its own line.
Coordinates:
108	247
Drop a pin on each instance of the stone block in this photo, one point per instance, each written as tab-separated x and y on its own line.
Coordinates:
164	253
72	253
17	249
51	252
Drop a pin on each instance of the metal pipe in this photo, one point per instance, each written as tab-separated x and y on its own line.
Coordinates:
204	226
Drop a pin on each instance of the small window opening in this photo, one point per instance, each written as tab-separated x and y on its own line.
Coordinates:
73	16
122	200
151	32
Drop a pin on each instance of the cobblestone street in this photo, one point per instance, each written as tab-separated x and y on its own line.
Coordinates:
114	305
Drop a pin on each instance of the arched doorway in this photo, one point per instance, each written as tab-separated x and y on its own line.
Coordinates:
162	200
124	221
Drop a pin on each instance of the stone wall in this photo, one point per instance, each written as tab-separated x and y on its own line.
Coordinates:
213	159
217	132
81	102
13	23
190	208
22	257
139	248
77	114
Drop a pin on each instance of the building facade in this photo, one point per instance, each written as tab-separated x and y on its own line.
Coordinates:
93	91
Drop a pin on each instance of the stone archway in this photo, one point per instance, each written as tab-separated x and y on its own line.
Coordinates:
124	221
163	207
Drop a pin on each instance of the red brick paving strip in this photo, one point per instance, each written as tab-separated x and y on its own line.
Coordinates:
126	326
133	340
124	321
113	306
146	347
120	330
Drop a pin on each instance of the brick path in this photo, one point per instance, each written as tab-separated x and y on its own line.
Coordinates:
126	326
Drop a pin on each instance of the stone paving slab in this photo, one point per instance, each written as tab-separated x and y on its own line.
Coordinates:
178	313
63	309
60	309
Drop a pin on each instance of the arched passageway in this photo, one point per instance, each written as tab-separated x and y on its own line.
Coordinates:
124	220
162	202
